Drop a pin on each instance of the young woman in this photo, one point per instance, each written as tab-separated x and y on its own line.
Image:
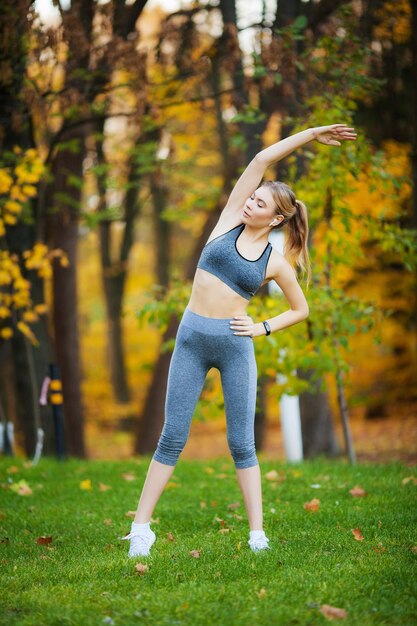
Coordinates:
215	330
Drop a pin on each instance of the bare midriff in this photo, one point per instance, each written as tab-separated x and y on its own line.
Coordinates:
211	297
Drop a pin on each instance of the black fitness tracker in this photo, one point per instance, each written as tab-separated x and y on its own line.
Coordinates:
267	327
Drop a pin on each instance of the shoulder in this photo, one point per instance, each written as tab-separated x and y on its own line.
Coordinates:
279	266
225	223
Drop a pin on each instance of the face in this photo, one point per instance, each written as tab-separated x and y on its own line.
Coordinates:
259	209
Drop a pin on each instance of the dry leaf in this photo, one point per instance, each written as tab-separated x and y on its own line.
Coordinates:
141	568
44	540
195	553
21	488
129	476
238	517
86	485
208	470
171	485
103	487
203	505
233	506
130	513
414	549
224	530
357	534
12	469
332	612
221	476
380	548
407	480
357	492
313	505
272	475
170	537
213	503
108	522
261	593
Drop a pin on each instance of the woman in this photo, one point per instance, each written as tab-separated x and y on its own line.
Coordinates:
215	330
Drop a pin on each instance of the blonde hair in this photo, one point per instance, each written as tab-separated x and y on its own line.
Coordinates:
296	222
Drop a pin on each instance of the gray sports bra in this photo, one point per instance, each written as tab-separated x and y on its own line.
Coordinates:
221	257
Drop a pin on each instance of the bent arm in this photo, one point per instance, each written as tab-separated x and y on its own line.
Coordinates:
253	174
299	311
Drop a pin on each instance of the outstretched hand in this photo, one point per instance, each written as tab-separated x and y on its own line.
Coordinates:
330	135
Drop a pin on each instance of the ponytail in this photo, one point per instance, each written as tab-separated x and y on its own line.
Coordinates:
295	248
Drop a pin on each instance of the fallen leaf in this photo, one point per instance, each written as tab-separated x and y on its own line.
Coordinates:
5	540
103	487
233	506
261	593
129	476
12	469
195	553
332	612
357	492
313	505
407	480
203	505
208	470
272	475
170	537
238	517
108	522
21	488
171	485
130	513
224	530
86	485
357	534
380	548
213	503
141	568
414	549
221	476
44	540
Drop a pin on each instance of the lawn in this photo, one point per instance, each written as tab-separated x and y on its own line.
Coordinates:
62	562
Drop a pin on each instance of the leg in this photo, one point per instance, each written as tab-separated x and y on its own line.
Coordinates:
250	484
187	372
156	479
239	381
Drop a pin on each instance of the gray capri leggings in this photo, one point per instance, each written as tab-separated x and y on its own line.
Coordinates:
203	343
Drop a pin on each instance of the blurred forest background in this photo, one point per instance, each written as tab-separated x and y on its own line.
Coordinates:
123	128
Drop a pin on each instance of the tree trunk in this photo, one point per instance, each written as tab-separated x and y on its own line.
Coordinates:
316	420
62	232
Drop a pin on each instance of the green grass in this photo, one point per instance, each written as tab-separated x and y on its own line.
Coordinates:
85	577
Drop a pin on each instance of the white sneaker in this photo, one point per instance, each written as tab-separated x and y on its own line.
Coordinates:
259	543
140	544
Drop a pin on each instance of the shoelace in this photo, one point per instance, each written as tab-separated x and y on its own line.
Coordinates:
260	543
133	534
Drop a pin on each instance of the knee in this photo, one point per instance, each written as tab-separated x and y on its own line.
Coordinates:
170	446
244	454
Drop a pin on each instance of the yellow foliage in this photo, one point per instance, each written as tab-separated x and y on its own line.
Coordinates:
6	181
6	332
12	206
4	312
24	328
30	316
393	21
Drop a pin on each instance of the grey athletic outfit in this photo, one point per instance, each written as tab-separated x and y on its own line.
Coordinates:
203	343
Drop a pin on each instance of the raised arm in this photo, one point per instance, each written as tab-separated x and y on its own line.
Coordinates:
253	174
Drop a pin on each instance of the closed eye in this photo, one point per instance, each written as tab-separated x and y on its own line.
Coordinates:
259	205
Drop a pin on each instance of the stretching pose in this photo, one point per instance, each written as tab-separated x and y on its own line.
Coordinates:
215	330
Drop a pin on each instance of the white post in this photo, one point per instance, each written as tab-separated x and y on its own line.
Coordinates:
289	405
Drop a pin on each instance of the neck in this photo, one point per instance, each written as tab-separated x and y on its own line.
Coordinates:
256	234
